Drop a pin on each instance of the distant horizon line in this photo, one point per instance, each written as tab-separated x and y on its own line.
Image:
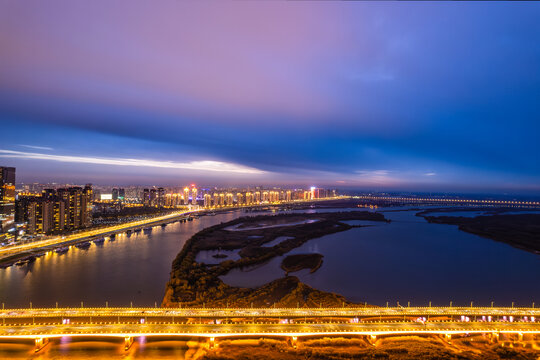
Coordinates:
345	190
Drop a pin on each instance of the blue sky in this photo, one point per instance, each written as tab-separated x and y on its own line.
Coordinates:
425	96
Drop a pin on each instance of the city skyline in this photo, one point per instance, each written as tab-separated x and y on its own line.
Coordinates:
372	96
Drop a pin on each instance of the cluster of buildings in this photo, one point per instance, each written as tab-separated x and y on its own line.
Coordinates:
7	203
55	211
220	199
192	196
209	198
52	211
153	197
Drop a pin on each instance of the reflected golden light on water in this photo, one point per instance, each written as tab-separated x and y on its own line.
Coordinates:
85	349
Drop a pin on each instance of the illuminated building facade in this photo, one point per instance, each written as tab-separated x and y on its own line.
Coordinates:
7	202
229	199
221	199
186	196
249	198
240	199
160	202
118	194
207	200
146	197
56	211
194	196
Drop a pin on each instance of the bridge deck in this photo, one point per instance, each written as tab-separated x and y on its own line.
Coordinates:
261	329
274	312
36	323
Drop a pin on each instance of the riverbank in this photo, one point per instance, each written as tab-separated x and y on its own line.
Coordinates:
11	254
518	230
8	256
194	284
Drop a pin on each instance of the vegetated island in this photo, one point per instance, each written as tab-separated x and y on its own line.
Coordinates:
298	262
521	230
194	284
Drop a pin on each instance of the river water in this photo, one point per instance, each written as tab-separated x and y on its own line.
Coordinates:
129	269
411	260
405	260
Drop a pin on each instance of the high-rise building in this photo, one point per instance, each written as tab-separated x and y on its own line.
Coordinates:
146	197
73	206
153	197
221	199
115	194
26	211
216	199
86	205
249	198
177	199
257	197
186	195
160	197
229	199
55	211
77	207
7	202
207	200
194	195
240	199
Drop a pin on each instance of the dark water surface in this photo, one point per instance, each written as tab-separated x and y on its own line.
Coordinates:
412	260
406	260
129	269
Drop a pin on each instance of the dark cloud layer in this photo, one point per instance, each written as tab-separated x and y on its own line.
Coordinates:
387	95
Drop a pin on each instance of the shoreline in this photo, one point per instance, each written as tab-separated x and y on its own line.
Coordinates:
521	231
9	257
194	283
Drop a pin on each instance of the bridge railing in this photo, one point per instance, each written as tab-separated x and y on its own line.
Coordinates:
270	312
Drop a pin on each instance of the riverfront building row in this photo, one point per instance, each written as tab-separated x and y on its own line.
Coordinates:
55	211
7	203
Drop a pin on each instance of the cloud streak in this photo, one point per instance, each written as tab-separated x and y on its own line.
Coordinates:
203	165
36	147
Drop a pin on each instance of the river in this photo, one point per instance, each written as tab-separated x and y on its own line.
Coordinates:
405	260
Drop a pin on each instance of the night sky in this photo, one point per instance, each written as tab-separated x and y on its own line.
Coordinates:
419	96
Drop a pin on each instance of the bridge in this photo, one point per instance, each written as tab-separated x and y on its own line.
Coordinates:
40	325
439	200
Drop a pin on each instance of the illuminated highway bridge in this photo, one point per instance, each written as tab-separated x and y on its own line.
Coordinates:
453	201
40	325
